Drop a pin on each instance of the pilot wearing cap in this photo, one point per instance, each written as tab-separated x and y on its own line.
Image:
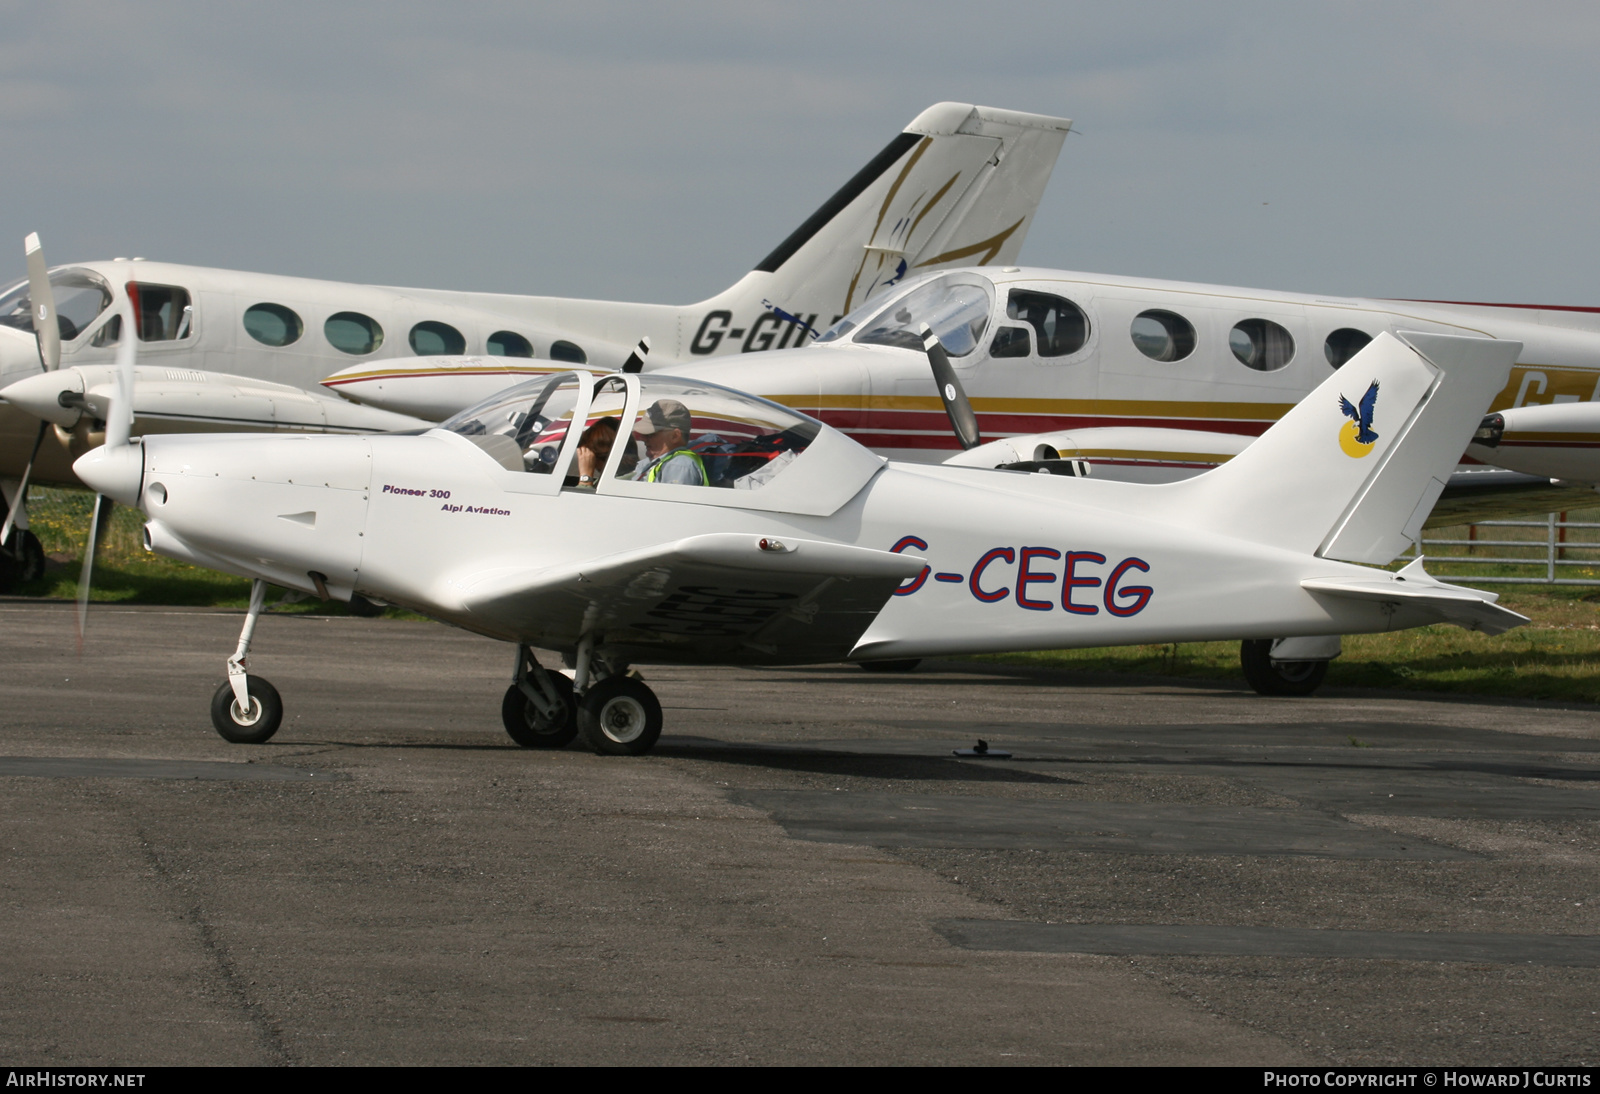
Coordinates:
665	428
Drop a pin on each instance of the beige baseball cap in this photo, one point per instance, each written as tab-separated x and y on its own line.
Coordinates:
664	414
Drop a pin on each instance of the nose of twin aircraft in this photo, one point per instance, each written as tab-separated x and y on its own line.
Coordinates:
40	395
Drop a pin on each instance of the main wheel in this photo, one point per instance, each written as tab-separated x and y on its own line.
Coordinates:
908	665
247	727
619	716
1269	677
361	606
30	557
531	729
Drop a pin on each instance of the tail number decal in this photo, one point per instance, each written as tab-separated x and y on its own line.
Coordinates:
1042	579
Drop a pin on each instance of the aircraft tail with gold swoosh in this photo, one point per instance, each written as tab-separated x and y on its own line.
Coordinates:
958	187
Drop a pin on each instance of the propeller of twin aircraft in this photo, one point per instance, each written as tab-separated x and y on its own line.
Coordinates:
119	425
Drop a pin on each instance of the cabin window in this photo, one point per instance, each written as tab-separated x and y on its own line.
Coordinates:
569	352
80	298
109	334
164	313
1344	344
1261	344
1162	335
1059	325
505	343
353	333
273	324
431	339
1010	342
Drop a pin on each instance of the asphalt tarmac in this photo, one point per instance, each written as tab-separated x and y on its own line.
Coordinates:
1161	873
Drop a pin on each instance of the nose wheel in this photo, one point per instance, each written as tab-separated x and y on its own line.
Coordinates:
246	709
252	723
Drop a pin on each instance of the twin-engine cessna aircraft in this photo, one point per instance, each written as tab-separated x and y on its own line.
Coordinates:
227	350
1153	381
1146	381
632	517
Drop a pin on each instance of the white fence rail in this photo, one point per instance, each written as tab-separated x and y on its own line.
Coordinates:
1545	556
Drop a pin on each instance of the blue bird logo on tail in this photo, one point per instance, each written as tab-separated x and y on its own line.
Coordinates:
1356	436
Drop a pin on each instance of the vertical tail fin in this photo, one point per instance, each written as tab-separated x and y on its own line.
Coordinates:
1353	470
958	187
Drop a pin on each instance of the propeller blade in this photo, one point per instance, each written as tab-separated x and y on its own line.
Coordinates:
97	525
962	418
43	299
119	415
22	487
635	361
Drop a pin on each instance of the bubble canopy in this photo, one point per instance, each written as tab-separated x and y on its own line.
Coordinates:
664	437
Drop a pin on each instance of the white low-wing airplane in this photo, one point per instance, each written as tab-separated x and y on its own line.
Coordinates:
721	528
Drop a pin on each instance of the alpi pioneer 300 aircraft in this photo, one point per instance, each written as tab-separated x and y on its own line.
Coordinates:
645	518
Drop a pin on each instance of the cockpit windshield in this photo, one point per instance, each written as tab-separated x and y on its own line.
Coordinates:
80	297
955	306
524	426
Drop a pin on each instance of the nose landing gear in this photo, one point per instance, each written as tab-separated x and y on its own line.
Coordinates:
247	710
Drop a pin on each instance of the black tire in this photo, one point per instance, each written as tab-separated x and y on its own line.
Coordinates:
620	716
908	665
1269	677
235	725
366	609
529	728
30	557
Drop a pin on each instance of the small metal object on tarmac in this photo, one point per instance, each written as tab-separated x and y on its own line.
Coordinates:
981	751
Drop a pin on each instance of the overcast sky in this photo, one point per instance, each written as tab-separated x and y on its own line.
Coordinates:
658	151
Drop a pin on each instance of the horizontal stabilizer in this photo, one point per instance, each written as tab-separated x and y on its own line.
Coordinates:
1415	589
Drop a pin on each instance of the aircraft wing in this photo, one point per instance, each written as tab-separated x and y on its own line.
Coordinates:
1558	441
168	400
718	597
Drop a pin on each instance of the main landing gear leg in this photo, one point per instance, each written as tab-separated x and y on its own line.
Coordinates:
538	709
618	714
246	709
